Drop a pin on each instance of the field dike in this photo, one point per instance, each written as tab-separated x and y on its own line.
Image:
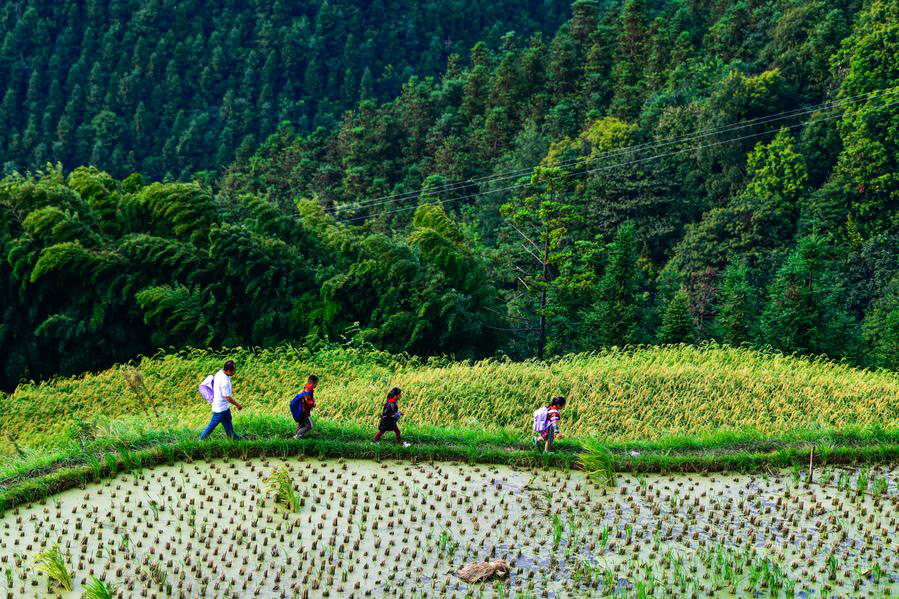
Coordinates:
310	527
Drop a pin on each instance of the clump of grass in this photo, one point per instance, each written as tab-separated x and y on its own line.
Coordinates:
280	486
598	461
447	543
97	589
155	572
558	529
52	562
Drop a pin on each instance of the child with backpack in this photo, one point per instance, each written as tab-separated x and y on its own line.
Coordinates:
301	407
546	423
390	416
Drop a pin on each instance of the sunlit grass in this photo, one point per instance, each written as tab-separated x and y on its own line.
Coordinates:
52	562
640	394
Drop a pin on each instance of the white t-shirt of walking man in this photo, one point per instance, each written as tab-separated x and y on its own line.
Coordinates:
221	388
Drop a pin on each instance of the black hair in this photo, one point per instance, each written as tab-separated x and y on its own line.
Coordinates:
229	365
557	401
394	392
312	379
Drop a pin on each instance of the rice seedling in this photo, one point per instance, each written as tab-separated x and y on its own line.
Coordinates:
447	544
52	562
573	541
280	485
97	589
598	461
156	573
558	529
861	483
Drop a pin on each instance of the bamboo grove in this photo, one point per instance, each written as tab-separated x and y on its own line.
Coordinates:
99	271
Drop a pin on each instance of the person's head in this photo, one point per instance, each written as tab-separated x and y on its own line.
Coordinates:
229	368
394	393
558	402
312	381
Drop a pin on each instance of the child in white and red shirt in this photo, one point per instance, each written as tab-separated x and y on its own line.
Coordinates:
553	418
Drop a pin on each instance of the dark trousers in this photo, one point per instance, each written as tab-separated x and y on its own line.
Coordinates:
304	425
396	431
220	417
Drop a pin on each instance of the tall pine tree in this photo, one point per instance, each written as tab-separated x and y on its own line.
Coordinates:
617	314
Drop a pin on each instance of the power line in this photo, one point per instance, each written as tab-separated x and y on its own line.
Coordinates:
607	167
629	149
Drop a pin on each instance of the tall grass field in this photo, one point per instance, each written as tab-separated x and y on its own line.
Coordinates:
618	395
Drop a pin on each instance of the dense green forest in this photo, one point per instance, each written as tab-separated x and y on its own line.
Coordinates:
650	172
172	88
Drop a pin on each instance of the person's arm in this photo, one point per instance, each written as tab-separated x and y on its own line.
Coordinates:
226	393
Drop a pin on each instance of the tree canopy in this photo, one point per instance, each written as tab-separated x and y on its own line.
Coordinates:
523	186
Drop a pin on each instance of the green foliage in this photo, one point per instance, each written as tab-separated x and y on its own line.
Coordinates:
459	190
805	311
737	310
153	89
541	224
870	160
89	283
617	313
182	313
881	328
678	325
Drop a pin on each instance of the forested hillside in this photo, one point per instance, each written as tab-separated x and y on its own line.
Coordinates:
172	88
651	172
706	170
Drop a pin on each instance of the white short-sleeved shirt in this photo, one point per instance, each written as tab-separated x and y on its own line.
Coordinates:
221	388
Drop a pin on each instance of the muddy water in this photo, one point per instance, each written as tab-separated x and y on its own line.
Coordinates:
391	529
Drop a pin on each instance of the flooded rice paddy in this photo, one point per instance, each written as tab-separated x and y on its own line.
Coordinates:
396	529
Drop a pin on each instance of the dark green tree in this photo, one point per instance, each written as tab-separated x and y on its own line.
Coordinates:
678	324
881	328
630	60
617	315
737	310
805	310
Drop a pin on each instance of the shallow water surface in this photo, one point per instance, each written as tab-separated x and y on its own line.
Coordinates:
396	529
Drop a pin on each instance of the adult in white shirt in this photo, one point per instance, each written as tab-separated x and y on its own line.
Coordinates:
222	401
